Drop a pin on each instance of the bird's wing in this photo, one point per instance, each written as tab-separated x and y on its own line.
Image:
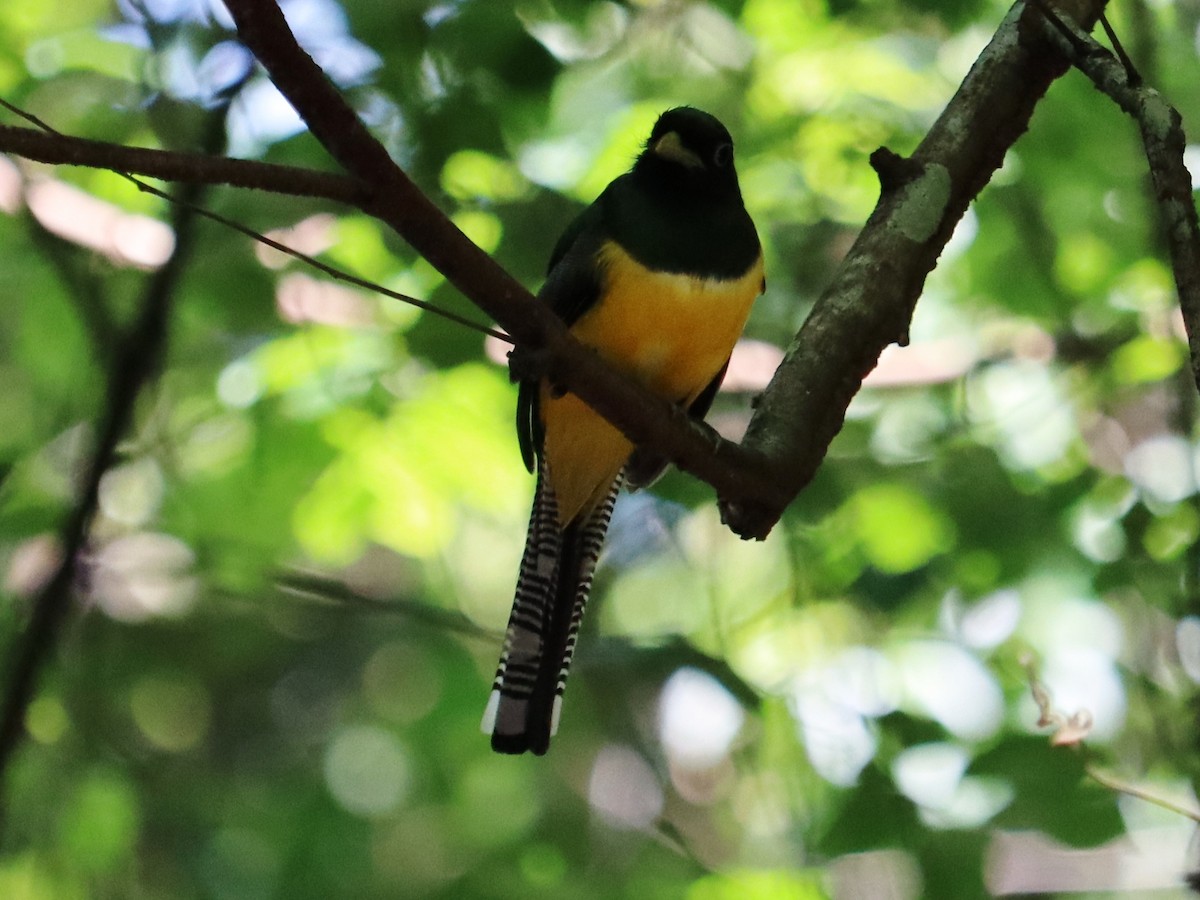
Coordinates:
573	285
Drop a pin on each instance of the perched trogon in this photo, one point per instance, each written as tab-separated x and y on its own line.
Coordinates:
657	276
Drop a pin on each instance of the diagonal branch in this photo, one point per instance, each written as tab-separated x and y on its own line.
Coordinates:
398	202
395	199
134	363
870	302
320	588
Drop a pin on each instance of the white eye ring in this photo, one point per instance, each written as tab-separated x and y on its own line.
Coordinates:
723	155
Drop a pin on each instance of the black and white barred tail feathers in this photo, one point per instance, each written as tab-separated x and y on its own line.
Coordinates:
552	591
522	659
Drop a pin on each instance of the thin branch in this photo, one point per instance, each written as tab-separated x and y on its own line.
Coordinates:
171	165
1131	72
1161	128
1162	134
395	199
322	588
332	271
1072	731
135	362
1122	787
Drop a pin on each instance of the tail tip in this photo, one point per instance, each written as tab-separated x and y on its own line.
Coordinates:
488	724
522	739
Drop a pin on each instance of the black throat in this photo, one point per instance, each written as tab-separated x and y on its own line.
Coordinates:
673	219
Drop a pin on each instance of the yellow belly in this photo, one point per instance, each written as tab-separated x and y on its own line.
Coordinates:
671	332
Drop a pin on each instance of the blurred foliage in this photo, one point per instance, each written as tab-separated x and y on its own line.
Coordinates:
294	594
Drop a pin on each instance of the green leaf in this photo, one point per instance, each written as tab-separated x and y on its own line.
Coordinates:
897	528
1146	359
777	884
871	815
100	824
1052	792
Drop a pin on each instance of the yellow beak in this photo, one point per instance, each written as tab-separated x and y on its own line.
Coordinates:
669	146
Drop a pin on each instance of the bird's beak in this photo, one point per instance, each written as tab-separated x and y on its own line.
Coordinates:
669	146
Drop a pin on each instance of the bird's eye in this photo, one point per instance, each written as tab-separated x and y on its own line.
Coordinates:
723	155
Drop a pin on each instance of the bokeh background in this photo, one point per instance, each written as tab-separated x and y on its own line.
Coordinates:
293	598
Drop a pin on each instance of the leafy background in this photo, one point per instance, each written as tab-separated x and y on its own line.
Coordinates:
294	595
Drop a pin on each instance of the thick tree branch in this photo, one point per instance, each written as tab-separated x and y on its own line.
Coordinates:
870	302
169	165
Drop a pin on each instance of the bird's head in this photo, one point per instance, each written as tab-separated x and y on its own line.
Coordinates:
690	146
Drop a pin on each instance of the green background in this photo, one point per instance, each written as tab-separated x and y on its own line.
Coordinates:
294	595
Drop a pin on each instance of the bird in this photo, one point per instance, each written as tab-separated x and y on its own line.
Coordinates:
657	276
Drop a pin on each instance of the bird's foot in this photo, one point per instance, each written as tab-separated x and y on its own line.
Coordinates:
528	364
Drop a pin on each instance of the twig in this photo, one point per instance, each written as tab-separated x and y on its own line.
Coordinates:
331	590
1121	787
1072	731
332	271
1161	128
1131	73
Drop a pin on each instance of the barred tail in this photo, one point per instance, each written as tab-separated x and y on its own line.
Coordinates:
552	590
